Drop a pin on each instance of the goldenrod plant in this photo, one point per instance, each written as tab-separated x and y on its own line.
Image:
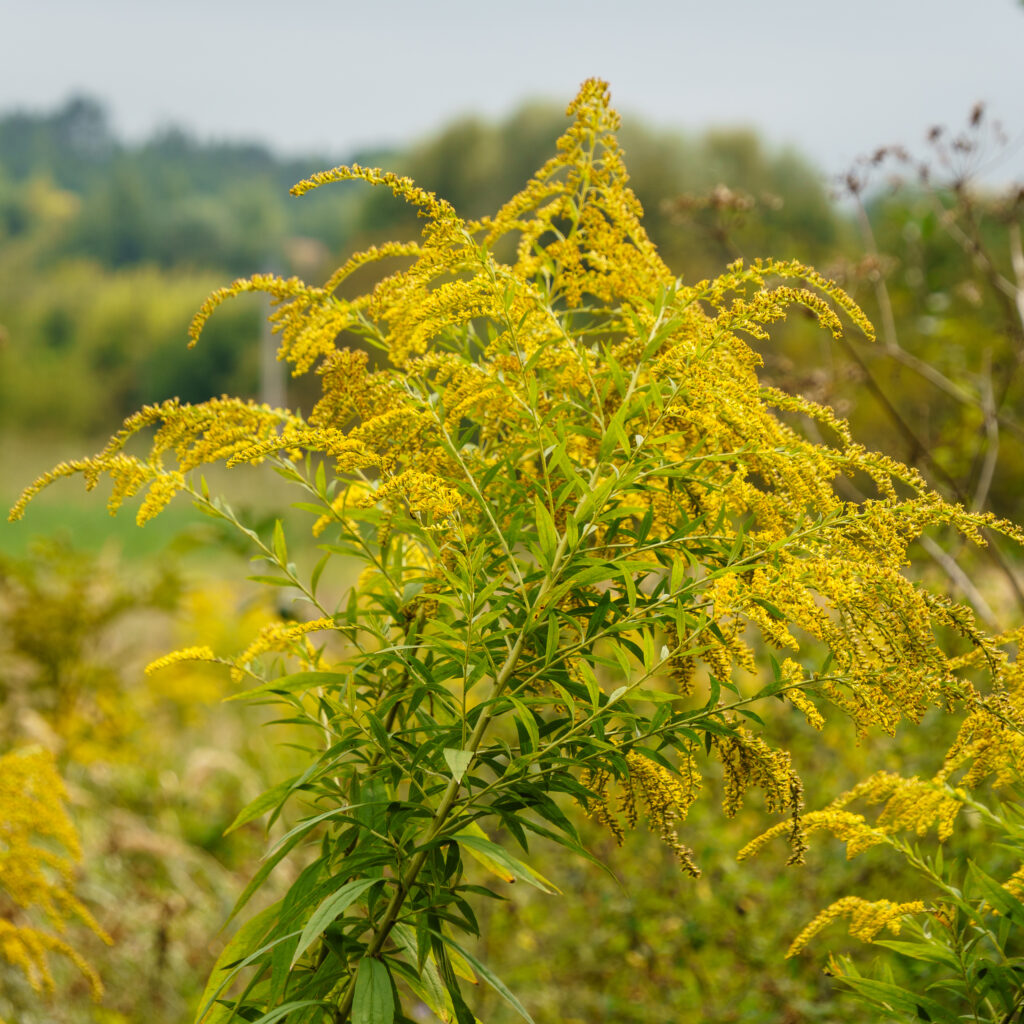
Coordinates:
66	623
38	851
961	952
591	545
969	936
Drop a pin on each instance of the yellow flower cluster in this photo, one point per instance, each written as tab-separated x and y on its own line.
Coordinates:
907	805
665	797
867	919
349	454
748	762
793	679
681	666
202	653
215	431
848	826
38	851
277	636
278	288
422	493
990	742
128	473
1014	885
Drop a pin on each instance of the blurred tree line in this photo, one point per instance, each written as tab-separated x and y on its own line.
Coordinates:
172	202
106	249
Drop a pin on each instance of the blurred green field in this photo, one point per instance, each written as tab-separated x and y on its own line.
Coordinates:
67	510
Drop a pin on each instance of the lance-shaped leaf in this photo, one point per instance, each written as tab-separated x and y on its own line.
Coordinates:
374	1002
474	841
335	904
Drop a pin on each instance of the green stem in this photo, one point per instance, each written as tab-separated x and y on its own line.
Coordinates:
384	926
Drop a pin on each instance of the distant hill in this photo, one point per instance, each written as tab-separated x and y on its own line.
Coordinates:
176	201
172	200
107	248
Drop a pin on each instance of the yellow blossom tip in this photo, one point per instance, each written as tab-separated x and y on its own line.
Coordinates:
202	653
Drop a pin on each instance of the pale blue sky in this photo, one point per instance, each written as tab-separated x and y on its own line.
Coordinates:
835	79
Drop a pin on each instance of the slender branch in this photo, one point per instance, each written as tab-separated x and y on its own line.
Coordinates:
991	448
949	565
1017	262
384	926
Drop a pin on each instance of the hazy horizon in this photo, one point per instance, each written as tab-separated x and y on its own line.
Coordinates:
835	83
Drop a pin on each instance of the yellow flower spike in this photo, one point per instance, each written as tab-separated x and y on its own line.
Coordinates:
423	493
867	918
664	796
202	653
279	288
276	636
667	799
35	879
1014	885
598	807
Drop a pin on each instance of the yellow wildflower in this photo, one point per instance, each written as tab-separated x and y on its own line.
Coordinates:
867	919
276	636
202	653
36	881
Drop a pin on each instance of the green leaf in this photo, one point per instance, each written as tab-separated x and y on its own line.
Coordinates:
280	547
552	640
598	615
677	575
283	846
546	533
590	681
896	998
494	981
771	609
239	946
273	581
264	802
374	1002
655	696
525	717
318	571
279	1012
252	958
930	952
650	659
494	854
595	501
335	904
614	436
627	579
430	987
458	761
622	660
296	681
463	1014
